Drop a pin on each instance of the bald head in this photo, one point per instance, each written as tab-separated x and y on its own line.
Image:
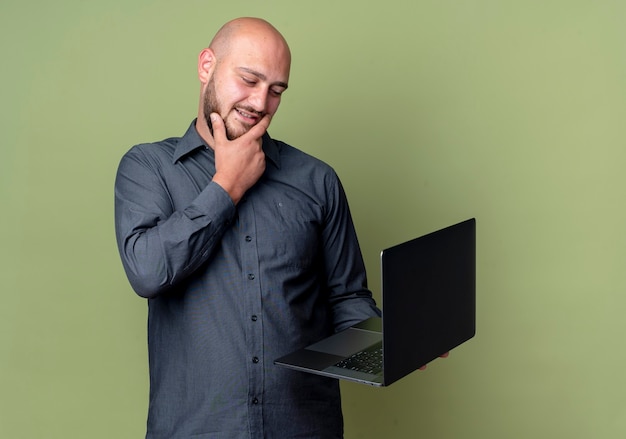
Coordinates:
244	28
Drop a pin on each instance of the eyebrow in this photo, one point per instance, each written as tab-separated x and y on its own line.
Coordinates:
262	76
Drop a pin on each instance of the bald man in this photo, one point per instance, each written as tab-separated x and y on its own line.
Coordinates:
245	250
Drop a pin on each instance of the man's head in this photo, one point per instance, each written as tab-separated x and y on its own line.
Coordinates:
242	73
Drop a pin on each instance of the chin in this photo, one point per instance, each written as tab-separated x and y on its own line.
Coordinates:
236	131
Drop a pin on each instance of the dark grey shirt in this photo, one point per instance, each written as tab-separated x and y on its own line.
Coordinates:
232	288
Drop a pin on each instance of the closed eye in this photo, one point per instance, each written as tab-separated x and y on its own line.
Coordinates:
276	92
251	77
248	81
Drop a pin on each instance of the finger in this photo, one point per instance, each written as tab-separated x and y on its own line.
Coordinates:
445	355
260	128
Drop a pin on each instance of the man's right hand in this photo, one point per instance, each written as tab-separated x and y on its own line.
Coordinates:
239	163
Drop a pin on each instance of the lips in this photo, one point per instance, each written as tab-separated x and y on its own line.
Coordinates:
248	116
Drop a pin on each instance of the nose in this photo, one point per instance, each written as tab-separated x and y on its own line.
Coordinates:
258	100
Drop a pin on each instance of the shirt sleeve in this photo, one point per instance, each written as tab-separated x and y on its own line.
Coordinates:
160	246
350	299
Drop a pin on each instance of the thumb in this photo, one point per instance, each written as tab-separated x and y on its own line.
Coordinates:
217	127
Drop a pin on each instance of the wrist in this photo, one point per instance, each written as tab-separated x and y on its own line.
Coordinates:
231	189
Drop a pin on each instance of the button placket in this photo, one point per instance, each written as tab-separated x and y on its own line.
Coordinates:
252	303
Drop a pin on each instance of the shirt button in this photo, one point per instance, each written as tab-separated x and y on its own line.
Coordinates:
251	276
255	360
255	401
248	238
254	318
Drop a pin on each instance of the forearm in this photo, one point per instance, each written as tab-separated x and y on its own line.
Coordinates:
160	248
349	297
353	309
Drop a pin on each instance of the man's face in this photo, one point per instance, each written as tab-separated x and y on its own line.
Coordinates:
239	117
245	86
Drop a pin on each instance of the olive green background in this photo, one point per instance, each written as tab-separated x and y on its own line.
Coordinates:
431	111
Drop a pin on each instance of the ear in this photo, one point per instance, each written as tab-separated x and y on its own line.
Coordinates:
206	64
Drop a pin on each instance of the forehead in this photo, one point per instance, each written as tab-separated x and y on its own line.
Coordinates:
263	53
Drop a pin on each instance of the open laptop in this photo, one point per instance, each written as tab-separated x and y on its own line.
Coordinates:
429	308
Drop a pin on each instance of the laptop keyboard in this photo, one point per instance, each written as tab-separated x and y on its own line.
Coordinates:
369	360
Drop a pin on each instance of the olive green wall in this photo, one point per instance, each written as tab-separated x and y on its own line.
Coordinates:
431	111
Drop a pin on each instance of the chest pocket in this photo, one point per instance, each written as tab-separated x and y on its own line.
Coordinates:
288	232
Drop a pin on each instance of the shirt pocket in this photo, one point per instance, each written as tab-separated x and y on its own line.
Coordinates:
289	233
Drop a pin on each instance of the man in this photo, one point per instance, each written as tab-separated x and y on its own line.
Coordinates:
245	249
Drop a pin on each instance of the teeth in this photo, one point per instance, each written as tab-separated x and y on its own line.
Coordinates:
243	113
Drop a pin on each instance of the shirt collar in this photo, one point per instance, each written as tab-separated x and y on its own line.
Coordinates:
191	141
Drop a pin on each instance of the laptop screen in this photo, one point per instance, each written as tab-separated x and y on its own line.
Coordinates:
429	297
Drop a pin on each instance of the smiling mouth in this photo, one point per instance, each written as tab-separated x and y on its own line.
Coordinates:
249	116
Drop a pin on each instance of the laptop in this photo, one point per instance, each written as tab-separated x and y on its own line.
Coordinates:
429	308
